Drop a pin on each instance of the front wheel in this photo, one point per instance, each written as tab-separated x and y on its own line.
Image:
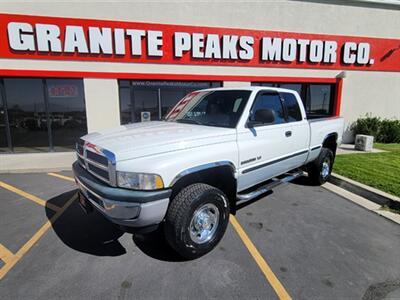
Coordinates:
320	169
196	220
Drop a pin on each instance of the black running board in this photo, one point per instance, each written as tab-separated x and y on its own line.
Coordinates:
274	182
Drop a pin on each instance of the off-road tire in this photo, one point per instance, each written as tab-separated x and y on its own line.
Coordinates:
180	213
315	168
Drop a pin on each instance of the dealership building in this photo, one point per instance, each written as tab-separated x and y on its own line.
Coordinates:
67	69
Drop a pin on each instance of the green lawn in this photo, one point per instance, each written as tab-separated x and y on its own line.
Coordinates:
379	170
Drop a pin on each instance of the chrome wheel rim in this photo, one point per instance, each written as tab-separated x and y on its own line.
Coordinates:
204	223
326	168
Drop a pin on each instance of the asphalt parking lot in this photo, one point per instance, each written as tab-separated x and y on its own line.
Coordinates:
300	242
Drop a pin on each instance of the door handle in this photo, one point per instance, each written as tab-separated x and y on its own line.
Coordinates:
288	133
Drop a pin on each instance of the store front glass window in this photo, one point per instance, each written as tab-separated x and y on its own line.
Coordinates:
4	140
318	99
142	101
26	114
320	96
41	115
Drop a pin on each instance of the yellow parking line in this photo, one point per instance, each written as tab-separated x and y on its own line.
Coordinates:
61	176
262	264
28	245
31	197
5	254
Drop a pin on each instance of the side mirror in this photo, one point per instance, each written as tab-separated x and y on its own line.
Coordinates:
262	116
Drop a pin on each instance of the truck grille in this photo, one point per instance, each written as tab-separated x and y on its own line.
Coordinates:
99	162
97	158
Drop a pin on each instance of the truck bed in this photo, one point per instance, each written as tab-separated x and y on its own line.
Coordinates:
318	129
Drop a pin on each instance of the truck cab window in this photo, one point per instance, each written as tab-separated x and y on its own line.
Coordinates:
292	107
270	101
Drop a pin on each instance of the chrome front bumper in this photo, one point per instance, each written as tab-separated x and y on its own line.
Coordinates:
123	207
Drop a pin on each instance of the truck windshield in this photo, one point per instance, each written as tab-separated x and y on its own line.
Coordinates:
221	108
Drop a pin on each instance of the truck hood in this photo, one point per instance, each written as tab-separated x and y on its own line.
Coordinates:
156	137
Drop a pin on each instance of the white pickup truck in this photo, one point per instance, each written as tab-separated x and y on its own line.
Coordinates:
215	149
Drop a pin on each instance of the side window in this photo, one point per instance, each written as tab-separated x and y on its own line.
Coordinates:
270	101
292	107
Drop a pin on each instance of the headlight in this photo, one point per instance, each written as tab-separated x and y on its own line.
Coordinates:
139	181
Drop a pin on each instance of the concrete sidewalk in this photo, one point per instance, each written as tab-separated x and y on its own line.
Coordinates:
349	149
36	162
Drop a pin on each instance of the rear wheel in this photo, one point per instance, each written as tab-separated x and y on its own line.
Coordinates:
196	220
320	169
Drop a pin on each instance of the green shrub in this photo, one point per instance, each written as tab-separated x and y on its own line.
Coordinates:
389	131
367	125
383	130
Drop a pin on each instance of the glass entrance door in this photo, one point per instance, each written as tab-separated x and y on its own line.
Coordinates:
145	105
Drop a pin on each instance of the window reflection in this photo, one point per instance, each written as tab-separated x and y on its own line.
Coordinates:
66	111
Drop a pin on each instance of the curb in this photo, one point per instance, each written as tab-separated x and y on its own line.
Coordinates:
364	191
363	202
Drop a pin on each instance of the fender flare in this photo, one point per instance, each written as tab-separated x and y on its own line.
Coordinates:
203	167
335	134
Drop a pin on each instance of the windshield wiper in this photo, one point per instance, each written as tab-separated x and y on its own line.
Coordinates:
189	121
212	124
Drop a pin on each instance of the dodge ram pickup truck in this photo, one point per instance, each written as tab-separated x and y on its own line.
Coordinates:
217	148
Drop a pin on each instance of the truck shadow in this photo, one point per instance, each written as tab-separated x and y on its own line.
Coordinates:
94	234
303	180
91	234
156	246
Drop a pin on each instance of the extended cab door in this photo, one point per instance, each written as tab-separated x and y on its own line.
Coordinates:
299	128
265	150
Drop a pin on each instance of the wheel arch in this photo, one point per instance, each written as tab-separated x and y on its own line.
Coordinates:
218	174
330	142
